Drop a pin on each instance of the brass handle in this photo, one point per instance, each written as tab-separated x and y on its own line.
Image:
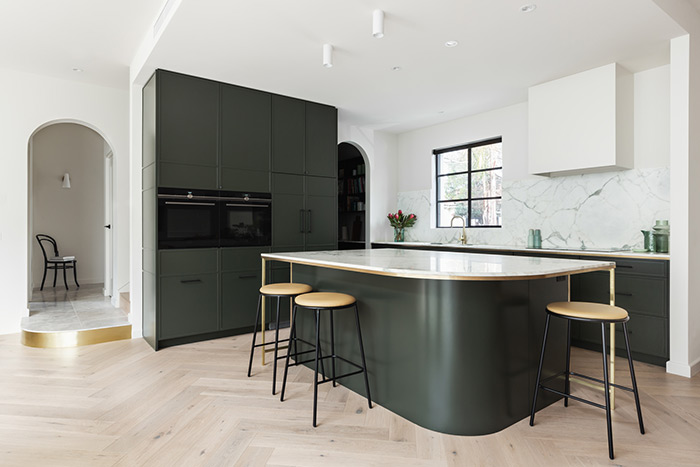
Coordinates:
624	294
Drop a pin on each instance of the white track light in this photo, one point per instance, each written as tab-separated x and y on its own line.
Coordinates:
378	24
327	55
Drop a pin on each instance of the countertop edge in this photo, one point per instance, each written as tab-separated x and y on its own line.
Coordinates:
497	248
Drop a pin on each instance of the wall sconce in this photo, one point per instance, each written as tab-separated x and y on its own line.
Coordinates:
66	180
327	55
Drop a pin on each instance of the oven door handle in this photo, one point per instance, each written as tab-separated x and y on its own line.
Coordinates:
236	198
183	203
247	205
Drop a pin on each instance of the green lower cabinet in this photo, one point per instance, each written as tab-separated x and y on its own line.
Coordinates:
188	305
239	298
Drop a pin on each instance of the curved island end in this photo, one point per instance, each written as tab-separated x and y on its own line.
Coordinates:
452	340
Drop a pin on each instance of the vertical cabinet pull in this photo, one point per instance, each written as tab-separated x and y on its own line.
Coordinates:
301	221
309	224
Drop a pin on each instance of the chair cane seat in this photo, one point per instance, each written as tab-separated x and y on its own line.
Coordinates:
285	289
587	310
324	300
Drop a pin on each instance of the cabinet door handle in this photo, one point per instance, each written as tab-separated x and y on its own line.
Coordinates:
624	294
190	281
301	221
624	266
309	227
251	276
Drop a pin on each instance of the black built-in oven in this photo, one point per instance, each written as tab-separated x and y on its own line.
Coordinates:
188	218
246	219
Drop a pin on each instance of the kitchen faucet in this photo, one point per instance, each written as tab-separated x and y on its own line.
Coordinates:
463	236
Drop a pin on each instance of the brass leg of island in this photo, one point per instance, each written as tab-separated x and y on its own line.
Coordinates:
612	342
262	312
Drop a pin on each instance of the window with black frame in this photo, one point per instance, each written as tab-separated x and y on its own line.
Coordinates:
468	183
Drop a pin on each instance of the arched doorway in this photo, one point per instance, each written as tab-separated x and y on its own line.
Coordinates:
70	199
353	197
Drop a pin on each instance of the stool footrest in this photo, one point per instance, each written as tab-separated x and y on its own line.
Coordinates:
270	343
327	380
624	388
585	401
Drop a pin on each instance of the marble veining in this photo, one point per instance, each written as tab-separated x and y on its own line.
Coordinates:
600	210
440	264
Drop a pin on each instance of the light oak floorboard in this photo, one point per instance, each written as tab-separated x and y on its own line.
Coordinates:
121	404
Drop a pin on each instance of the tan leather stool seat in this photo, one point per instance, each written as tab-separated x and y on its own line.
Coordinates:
587	310
324	300
285	288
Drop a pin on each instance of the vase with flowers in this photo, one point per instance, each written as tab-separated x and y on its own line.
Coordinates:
399	221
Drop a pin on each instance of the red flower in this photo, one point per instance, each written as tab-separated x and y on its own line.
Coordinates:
396	216
400	212
411	216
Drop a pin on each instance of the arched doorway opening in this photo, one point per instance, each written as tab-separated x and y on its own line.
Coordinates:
353	197
70	199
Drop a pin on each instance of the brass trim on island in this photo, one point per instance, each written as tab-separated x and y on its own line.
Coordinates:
63	339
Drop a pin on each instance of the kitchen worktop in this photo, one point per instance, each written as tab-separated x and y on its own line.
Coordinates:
425	264
612	253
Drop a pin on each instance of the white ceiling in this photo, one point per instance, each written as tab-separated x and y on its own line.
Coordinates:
51	37
275	45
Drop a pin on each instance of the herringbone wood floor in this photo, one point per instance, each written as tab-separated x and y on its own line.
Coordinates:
121	404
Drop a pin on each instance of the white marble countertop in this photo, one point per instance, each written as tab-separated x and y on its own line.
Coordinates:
424	264
563	252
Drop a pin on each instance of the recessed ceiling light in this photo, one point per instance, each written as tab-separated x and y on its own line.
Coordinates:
396	68
77	70
441	111
451	44
528	8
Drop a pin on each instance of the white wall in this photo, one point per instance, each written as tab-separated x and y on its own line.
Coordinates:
73	217
381	150
28	102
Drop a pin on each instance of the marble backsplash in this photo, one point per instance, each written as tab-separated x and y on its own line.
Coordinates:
602	210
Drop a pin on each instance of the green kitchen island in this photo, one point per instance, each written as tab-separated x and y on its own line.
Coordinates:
452	340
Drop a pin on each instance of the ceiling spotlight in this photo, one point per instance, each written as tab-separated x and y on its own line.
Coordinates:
528	8
378	24
451	44
396	68
327	55
77	70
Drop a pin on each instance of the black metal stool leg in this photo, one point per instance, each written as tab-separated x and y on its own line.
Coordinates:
607	392
318	347
362	354
539	370
65	282
332	349
255	334
75	273
55	272
567	385
634	379
43	279
292	335
277	344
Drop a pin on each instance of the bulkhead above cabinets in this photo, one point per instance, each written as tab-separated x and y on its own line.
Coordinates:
582	123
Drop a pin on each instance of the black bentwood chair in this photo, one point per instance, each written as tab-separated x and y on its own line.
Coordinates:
56	261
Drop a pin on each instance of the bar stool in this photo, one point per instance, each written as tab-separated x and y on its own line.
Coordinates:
280	290
325	301
591	313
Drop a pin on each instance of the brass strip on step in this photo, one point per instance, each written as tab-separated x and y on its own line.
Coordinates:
58	339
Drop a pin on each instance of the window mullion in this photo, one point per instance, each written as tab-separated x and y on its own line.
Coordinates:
468	220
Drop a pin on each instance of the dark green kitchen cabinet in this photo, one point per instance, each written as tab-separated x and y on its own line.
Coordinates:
188	305
321	140
304	138
239	298
241	277
304	212
187	114
288	135
246	126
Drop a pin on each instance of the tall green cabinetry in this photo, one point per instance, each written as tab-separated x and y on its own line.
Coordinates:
202	134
